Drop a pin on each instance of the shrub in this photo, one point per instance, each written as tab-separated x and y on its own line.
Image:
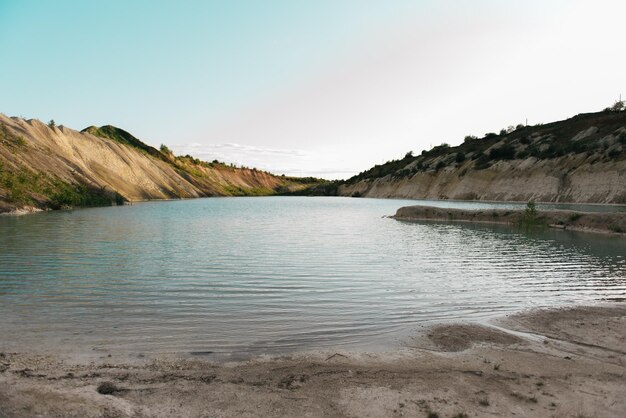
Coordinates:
507	130
52	123
482	162
165	150
469	138
531	210
405	172
574	217
614	153
460	157
530	219
505	152
554	151
107	388
525	140
534	151
440	165
618	106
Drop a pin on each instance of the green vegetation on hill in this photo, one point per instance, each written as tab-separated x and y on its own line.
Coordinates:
10	139
191	166
599	135
123	137
186	163
28	188
319	188
46	177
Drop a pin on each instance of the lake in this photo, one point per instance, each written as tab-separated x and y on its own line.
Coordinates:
235	277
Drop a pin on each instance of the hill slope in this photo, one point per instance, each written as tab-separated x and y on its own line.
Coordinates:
581	159
53	167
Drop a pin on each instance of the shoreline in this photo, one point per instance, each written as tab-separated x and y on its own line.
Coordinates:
613	223
26	210
547	362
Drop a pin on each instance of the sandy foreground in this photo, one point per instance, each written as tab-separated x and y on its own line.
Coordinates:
560	362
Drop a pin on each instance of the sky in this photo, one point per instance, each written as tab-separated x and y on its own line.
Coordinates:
325	88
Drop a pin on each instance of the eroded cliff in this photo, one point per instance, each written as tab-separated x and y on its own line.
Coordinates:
44	166
582	159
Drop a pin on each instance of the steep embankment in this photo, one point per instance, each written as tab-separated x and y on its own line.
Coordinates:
582	159
45	166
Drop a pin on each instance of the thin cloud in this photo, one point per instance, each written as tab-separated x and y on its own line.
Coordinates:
293	162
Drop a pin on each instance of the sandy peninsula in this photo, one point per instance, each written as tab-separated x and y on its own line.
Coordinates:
599	222
546	363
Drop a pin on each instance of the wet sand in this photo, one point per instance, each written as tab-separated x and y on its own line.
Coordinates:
560	362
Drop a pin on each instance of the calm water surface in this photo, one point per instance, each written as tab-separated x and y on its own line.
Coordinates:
244	276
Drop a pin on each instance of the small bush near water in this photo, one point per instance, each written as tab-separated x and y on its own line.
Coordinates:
531	219
79	195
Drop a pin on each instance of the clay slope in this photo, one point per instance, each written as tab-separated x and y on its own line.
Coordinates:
582	159
51	167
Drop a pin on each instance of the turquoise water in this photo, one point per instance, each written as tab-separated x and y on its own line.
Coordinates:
245	276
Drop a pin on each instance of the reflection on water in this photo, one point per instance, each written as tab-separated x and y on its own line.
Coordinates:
267	275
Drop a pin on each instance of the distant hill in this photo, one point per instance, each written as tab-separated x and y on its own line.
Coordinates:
50	167
581	159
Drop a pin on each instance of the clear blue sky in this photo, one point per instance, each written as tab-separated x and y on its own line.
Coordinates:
307	87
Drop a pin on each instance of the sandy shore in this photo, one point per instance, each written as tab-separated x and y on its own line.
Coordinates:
599	222
561	363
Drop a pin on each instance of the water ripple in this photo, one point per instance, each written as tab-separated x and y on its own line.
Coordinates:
257	275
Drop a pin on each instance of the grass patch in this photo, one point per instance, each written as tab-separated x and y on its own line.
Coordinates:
9	138
28	188
232	190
